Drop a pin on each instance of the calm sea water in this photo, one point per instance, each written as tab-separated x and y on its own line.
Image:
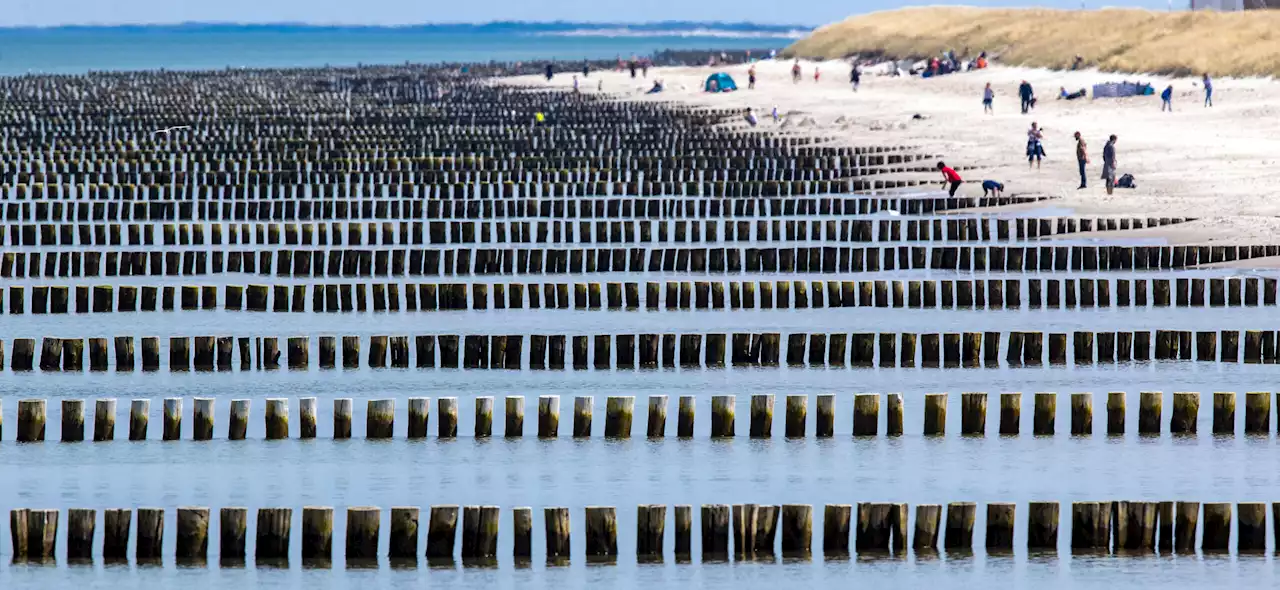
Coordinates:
80	50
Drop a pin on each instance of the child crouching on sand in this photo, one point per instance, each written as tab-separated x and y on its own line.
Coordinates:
992	188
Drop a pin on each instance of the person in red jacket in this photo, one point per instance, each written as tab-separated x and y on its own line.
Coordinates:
949	176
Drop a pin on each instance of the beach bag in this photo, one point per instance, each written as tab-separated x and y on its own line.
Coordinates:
1126	181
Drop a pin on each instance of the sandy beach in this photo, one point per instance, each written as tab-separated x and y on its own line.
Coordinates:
1216	164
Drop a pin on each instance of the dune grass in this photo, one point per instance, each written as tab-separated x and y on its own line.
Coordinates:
1119	40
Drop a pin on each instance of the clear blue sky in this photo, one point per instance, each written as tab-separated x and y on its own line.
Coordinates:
56	12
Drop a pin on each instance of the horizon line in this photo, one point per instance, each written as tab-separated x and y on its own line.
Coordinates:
565	24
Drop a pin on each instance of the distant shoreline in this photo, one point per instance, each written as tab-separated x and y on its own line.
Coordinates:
572	28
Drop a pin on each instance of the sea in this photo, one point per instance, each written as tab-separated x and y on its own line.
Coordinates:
575	473
75	50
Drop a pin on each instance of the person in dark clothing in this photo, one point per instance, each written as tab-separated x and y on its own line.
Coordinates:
551	71
631	65
1109	164
586	69
855	77
992	187
949	176
1166	99
1027	95
1082	157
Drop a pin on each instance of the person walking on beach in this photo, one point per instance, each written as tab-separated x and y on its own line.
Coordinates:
1035	149
855	77
817	74
988	95
1109	164
575	85
586	69
1082	158
949	176
1208	91
751	78
795	72
1166	99
551	72
1028	96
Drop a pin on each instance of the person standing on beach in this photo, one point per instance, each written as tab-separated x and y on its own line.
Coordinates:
551	72
751	78
1109	164
1166	99
855	77
795	72
817	74
1035	149
988	95
1208	91
1027	95
586	69
1082	158
949	176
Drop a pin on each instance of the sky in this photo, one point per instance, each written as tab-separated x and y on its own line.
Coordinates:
397	12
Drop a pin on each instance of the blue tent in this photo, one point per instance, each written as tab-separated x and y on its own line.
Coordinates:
723	83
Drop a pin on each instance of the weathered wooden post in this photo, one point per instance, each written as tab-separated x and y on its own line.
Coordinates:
192	533
238	419
722	416
317	533
104	419
72	420
342	411
484	417
364	525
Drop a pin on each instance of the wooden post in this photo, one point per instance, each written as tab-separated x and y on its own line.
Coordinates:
404	533
307	417
684	418
364	524
617	416
479	532
683	532
1090	526
484	417
973	414
1251	527
1115	413
317	533
761	416
42	534
232	523
558	538
925	536
104	419
31	419
825	419
274	530
1082	414
116	524
722	418
513	417
1186	520
72	420
1000	523
893	414
522	533
1224	412
960	519
442	532
548	416
192	533
650	529
866	414
276	417
715	532
1257	412
419	413
172	418
1217	527
835	529
81	524
1042	526
797	414
657	420
150	536
342	411
380	418
602	532
1010	413
1149	403
1186	408
935	414
1045	414
583	408
238	422
447	420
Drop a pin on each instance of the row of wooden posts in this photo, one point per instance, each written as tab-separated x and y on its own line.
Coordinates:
758	530
604	352
404	233
215	208
669	295
619	412
521	261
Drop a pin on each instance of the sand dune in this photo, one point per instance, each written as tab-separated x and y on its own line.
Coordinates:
1219	164
1119	40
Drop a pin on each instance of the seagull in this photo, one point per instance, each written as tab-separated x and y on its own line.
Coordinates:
166	130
